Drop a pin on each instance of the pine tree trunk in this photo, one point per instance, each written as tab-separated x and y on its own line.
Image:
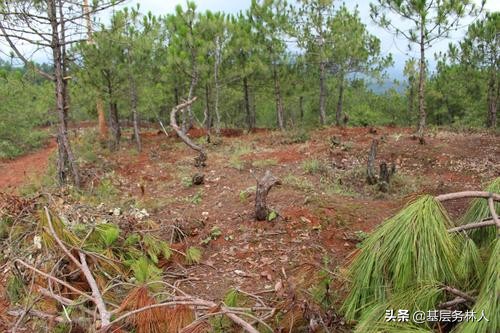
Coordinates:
250	118
340	103
208	113
322	93
101	117
279	102
66	157
217	87
411	100
114	124
421	88
301	108
135	116
493	95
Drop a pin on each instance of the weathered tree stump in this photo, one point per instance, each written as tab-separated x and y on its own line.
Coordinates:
198	179
371	177
264	185
383	180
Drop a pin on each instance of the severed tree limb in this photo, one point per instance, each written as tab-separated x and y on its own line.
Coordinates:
82	264
493	212
459	293
449	304
200	160
48	276
264	185
468	194
470	226
195	302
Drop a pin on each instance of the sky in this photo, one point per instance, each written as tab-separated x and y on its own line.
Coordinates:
390	44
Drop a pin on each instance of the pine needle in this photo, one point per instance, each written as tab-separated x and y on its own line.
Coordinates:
411	248
488	300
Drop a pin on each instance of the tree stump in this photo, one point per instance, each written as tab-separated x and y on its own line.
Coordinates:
383	180
264	185
371	177
198	179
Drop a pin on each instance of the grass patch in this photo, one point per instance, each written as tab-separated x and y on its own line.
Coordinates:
314	166
265	163
299	183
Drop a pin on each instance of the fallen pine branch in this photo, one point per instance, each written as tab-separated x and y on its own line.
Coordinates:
470	226
468	194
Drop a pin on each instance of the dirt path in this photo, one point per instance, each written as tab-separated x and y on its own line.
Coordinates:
17	172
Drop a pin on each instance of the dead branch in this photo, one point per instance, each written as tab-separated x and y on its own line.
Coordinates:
48	276
193	302
82	264
452	303
263	187
468	194
459	293
470	226
201	159
491	206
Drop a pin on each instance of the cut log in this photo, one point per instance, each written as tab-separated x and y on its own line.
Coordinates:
371	177
263	187
199	161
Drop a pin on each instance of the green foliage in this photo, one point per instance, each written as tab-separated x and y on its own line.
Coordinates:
24	107
264	163
272	215
487	301
193	255
411	248
15	288
156	248
144	271
314	166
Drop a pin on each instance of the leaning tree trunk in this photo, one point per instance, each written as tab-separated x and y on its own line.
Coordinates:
264	185
340	103
421	89
66	157
279	103
322	93
202	157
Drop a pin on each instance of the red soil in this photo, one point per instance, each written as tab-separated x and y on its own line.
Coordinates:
17	172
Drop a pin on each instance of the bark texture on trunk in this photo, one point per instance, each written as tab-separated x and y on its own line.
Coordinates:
280	119
421	88
135	116
493	96
264	185
322	93
249	114
101	118
66	159
208	113
114	125
339	119
301	108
